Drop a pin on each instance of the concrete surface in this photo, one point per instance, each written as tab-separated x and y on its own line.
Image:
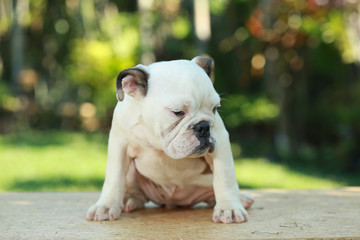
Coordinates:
276	214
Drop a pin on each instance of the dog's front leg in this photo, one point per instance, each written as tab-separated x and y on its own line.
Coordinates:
228	206
111	199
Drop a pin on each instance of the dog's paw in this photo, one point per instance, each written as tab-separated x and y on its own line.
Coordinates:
99	212
132	204
246	200
234	213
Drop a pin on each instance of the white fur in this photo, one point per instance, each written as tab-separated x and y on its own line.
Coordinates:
144	132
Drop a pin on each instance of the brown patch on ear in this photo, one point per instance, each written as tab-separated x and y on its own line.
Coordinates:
132	81
207	64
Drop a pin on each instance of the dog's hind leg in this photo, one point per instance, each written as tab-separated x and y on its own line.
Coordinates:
246	200
134	196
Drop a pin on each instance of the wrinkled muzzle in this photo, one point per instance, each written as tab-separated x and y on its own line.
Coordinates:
193	141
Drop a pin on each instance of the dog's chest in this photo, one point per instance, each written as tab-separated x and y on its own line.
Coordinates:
167	172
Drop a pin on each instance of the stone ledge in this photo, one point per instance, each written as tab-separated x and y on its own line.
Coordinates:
276	214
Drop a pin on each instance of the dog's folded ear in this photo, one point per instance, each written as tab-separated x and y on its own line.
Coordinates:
133	82
207	64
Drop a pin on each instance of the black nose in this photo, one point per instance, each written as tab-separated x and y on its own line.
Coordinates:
202	129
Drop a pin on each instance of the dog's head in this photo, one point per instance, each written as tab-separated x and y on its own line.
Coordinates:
178	103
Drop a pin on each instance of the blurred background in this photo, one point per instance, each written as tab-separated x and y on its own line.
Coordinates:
288	71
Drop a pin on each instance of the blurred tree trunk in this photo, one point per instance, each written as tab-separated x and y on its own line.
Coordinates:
17	43
88	15
202	25
146	32
289	89
272	71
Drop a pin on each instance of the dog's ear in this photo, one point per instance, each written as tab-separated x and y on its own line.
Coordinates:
132	81
207	64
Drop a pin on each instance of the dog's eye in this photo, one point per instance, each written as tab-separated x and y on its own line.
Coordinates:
179	113
215	109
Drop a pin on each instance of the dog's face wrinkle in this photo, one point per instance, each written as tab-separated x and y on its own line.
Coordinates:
174	125
171	128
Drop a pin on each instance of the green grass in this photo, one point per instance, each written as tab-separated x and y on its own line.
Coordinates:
52	161
56	161
260	173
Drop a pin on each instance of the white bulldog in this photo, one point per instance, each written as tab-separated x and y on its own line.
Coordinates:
169	145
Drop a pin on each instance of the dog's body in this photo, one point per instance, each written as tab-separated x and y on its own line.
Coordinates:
168	144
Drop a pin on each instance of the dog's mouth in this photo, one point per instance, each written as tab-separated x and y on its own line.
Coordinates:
212	148
207	145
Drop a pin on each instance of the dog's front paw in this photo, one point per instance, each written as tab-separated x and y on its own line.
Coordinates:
100	212
230	213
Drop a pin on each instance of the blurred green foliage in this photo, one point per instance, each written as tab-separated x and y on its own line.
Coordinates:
288	70
239	109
